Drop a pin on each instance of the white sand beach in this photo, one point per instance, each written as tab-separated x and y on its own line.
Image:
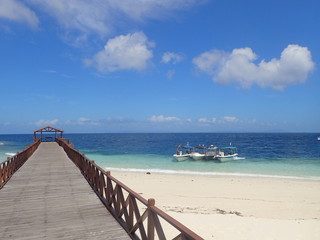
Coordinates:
222	208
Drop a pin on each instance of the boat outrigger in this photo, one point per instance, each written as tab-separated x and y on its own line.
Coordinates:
183	152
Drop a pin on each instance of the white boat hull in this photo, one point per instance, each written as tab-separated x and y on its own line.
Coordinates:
181	158
226	157
197	156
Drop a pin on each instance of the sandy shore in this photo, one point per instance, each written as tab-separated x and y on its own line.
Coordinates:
217	207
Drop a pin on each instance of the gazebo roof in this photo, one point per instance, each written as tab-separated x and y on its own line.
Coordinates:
48	129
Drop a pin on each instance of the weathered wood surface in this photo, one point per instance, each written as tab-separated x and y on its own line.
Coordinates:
48	198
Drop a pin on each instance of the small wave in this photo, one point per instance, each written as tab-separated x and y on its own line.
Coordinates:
1	143
226	174
10	154
239	158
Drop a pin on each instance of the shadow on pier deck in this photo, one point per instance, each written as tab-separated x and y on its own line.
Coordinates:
49	198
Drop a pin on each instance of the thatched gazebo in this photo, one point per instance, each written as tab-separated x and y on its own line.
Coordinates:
49	137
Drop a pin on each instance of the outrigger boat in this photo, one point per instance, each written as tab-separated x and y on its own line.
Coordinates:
226	154
199	153
183	152
212	152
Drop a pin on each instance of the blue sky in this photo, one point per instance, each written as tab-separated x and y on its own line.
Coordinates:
160	65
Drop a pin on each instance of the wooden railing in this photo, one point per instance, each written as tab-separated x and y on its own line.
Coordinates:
126	205
12	164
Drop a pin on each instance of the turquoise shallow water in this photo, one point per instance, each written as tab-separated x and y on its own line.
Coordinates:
285	155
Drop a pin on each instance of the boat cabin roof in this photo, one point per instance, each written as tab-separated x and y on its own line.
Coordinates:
200	147
231	148
188	146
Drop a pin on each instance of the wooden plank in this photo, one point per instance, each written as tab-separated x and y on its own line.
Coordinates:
48	198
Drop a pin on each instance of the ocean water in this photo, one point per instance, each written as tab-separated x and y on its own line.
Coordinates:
280	155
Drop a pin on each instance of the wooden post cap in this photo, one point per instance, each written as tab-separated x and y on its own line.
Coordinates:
151	202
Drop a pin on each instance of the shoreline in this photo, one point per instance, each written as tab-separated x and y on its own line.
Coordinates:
212	174
229	207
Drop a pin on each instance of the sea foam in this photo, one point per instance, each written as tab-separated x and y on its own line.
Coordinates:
10	154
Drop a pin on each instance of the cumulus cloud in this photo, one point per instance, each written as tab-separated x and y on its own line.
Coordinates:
124	52
293	67
162	118
102	16
42	122
17	11
170	57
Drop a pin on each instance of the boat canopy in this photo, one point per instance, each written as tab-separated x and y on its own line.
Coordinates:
187	146
200	147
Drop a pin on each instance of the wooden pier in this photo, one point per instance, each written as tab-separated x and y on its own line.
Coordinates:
52	191
48	198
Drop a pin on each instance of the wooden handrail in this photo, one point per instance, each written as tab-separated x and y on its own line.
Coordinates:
12	164
123	203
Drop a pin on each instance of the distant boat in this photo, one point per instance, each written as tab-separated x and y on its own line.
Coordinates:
212	152
226	154
183	152
318	138
199	153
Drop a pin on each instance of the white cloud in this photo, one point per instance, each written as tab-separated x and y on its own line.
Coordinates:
103	16
117	120
174	58
220	120
170	74
207	120
43	123
7	123
83	120
162	118
124	52
140	9
238	67
17	11
230	119
85	16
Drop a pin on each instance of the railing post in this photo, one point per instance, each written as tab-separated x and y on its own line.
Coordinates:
151	203
130	212
108	187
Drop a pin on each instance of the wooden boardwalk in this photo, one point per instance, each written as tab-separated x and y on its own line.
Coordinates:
48	198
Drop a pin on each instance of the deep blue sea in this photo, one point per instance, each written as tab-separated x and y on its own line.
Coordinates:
283	155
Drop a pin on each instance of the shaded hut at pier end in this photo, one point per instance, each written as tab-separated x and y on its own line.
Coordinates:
47	134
